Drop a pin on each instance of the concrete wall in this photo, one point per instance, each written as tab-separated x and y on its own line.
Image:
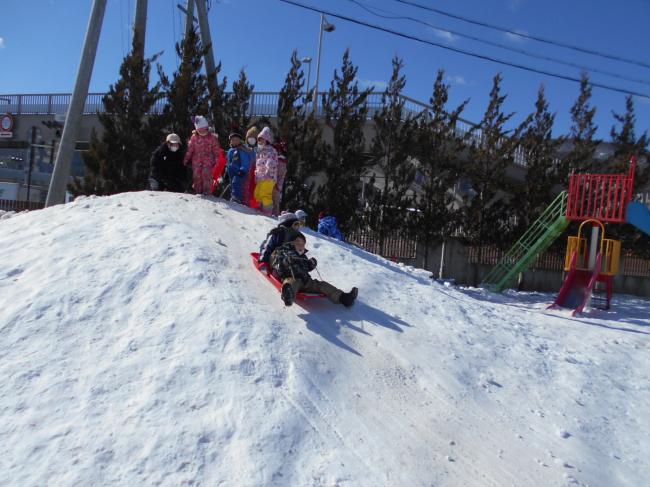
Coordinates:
23	125
457	267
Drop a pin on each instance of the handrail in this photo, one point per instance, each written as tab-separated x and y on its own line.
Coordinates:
261	104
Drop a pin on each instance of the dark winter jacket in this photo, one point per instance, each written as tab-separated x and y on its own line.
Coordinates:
274	239
167	168
287	262
328	226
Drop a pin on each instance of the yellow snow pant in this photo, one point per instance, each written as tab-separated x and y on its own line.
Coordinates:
264	194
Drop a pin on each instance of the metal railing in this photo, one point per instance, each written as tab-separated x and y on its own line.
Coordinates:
553	261
395	247
261	104
14	205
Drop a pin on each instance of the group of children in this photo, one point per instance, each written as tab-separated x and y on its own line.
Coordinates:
285	255
255	167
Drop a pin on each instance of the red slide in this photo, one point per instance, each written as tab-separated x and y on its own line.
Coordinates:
592	284
578	286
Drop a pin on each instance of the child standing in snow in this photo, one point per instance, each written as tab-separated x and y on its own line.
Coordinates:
266	167
167	171
292	266
205	154
238	163
249	184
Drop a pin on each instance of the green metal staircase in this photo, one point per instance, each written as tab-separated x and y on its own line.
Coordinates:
536	240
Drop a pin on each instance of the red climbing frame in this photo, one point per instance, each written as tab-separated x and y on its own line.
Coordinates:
601	196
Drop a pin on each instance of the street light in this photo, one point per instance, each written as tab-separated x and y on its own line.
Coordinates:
327	27
307	60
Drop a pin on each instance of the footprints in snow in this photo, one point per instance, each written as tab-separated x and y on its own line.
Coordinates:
14	272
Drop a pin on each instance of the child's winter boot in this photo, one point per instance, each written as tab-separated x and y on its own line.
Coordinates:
347	299
287	294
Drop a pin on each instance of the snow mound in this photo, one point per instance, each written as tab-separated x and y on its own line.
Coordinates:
139	346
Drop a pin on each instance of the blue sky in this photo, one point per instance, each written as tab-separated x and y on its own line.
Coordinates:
40	47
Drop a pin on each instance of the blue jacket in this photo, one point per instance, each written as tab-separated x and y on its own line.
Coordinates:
328	226
238	162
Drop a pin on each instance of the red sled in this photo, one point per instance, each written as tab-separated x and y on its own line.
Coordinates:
262	267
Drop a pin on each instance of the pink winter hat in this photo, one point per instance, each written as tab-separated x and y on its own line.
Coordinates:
200	122
266	134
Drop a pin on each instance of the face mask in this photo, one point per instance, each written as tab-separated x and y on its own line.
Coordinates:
173	148
251	141
300	252
261	142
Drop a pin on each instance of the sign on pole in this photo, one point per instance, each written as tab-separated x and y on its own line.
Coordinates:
6	125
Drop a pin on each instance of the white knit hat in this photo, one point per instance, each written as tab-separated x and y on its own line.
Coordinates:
266	134
200	122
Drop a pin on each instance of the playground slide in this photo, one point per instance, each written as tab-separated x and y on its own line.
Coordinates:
638	215
578	286
592	284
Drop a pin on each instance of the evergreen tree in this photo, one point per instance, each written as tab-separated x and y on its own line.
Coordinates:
581	135
346	112
625	141
439	147
119	161
392	151
540	151
237	104
299	128
186	92
626	145
219	105
486	214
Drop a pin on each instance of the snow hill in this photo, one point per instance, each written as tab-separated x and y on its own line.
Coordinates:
139	346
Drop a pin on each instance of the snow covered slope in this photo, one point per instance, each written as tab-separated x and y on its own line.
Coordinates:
138	346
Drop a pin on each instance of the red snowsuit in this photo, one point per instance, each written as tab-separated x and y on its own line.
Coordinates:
218	170
207	159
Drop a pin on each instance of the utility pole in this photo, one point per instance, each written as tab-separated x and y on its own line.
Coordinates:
206	40
58	183
31	162
140	27
189	17
327	27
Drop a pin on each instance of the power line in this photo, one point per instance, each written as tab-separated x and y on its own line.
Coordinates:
395	16
525	35
462	51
